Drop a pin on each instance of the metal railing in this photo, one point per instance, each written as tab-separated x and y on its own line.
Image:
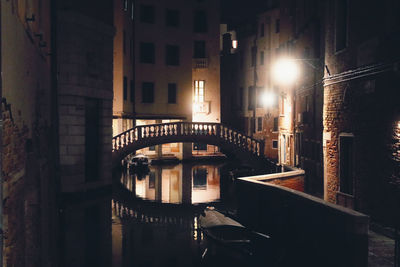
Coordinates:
211	131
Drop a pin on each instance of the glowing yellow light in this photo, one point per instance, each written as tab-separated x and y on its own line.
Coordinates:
268	99
234	44
285	71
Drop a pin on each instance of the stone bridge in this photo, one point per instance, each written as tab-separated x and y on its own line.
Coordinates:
230	141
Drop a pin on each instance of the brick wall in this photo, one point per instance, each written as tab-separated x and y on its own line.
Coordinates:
13	168
365	108
295	183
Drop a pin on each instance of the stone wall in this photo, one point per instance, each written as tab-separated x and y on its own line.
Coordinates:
304	230
85	56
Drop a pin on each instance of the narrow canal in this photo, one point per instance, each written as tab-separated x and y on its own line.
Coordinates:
154	214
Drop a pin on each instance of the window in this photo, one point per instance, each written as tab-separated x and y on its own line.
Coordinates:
147	92
172	93
199	49
275	144
172	55
277	25
262	58
346	163
147	14
152	148
199	178
341	24
253	56
172	17
125	88
92	139
147	53
200	21
259	123
275	129
132	91
199	91
262	30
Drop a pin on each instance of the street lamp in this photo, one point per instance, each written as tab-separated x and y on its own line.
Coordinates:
286	71
268	99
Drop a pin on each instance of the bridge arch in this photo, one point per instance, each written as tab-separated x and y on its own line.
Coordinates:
227	139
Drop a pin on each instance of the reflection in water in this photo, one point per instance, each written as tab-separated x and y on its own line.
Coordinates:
159	232
148	235
181	183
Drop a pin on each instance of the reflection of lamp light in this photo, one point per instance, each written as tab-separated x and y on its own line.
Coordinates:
285	71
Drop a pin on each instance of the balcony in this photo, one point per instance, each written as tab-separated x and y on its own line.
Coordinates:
200	63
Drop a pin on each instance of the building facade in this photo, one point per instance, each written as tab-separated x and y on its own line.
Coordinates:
176	66
300	125
361	107
250	101
85	90
123	81
28	176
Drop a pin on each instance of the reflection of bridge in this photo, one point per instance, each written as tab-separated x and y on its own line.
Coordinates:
228	140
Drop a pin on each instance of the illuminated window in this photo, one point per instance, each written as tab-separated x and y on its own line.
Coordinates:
199	91
234	44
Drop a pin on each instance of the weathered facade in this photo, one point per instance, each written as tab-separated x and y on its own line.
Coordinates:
123	82
176	67
361	108
28	155
247	67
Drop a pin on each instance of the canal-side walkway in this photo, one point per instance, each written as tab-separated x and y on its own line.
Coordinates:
380	250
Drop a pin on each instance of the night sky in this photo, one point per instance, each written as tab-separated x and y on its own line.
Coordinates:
237	10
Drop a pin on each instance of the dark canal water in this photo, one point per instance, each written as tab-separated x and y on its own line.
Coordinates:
154	215
147	220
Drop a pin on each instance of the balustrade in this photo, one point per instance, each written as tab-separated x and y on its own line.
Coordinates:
211	130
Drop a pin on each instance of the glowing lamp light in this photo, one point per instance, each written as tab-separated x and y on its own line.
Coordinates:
268	99
285	71
234	44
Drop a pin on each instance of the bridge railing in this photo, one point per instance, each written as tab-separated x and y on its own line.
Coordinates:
195	129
